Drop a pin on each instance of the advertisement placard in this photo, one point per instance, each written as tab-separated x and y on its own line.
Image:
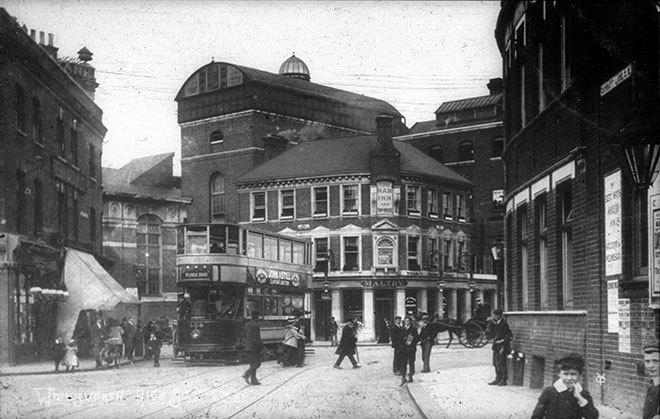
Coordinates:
612	219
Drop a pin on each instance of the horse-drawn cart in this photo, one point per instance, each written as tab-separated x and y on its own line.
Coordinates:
471	334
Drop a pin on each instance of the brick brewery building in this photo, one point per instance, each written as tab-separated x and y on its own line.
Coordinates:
234	119
51	136
582	269
142	204
467	136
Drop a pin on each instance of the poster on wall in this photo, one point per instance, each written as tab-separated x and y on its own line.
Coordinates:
612	218
655	269
624	325
613	306
647	324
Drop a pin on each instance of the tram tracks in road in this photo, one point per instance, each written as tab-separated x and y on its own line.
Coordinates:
197	410
116	389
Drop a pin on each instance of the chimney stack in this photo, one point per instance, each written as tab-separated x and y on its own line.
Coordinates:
274	145
496	86
42	37
385	159
33	35
50	48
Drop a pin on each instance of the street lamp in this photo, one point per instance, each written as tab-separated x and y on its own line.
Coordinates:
637	150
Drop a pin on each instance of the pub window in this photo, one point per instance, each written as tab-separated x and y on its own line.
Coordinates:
446	206
432	203
148	254
258	206
447	259
287	204
351	254
413	253
321	255
460	207
217	197
320	201
413	200
385	252
20	108
350	199
465	151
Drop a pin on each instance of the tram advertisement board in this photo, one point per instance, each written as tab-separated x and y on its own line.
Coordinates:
267	276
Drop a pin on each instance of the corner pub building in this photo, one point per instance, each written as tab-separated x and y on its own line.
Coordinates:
283	154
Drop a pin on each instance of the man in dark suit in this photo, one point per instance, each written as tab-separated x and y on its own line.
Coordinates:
426	339
253	347
396	335
97	335
502	336
130	333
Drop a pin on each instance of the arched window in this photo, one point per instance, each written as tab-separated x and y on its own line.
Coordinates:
216	137
20	108
436	152
148	257
498	147
465	151
217	197
385	249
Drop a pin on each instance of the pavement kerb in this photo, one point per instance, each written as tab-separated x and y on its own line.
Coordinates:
428	407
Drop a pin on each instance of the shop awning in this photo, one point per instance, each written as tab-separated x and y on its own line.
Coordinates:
90	287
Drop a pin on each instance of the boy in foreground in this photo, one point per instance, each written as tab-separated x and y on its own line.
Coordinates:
566	399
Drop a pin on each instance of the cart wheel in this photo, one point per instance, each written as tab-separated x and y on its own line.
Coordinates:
472	336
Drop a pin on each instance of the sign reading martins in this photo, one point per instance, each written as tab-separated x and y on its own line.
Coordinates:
383	283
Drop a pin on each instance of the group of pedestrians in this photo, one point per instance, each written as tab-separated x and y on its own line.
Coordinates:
293	346
121	338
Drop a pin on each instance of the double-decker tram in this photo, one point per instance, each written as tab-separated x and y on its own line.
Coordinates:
226	271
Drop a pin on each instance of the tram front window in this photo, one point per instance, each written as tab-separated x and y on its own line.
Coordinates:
217	239
196	240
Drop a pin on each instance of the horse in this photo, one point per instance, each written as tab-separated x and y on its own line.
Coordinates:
446	326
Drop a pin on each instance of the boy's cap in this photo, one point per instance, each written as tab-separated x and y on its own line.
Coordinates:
573	361
425	317
498	311
397	317
651	348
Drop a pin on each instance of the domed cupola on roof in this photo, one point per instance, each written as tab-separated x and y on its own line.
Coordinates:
295	67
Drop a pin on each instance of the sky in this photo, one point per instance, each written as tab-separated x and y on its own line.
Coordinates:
414	55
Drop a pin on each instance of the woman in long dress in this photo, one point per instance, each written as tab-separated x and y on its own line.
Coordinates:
70	359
